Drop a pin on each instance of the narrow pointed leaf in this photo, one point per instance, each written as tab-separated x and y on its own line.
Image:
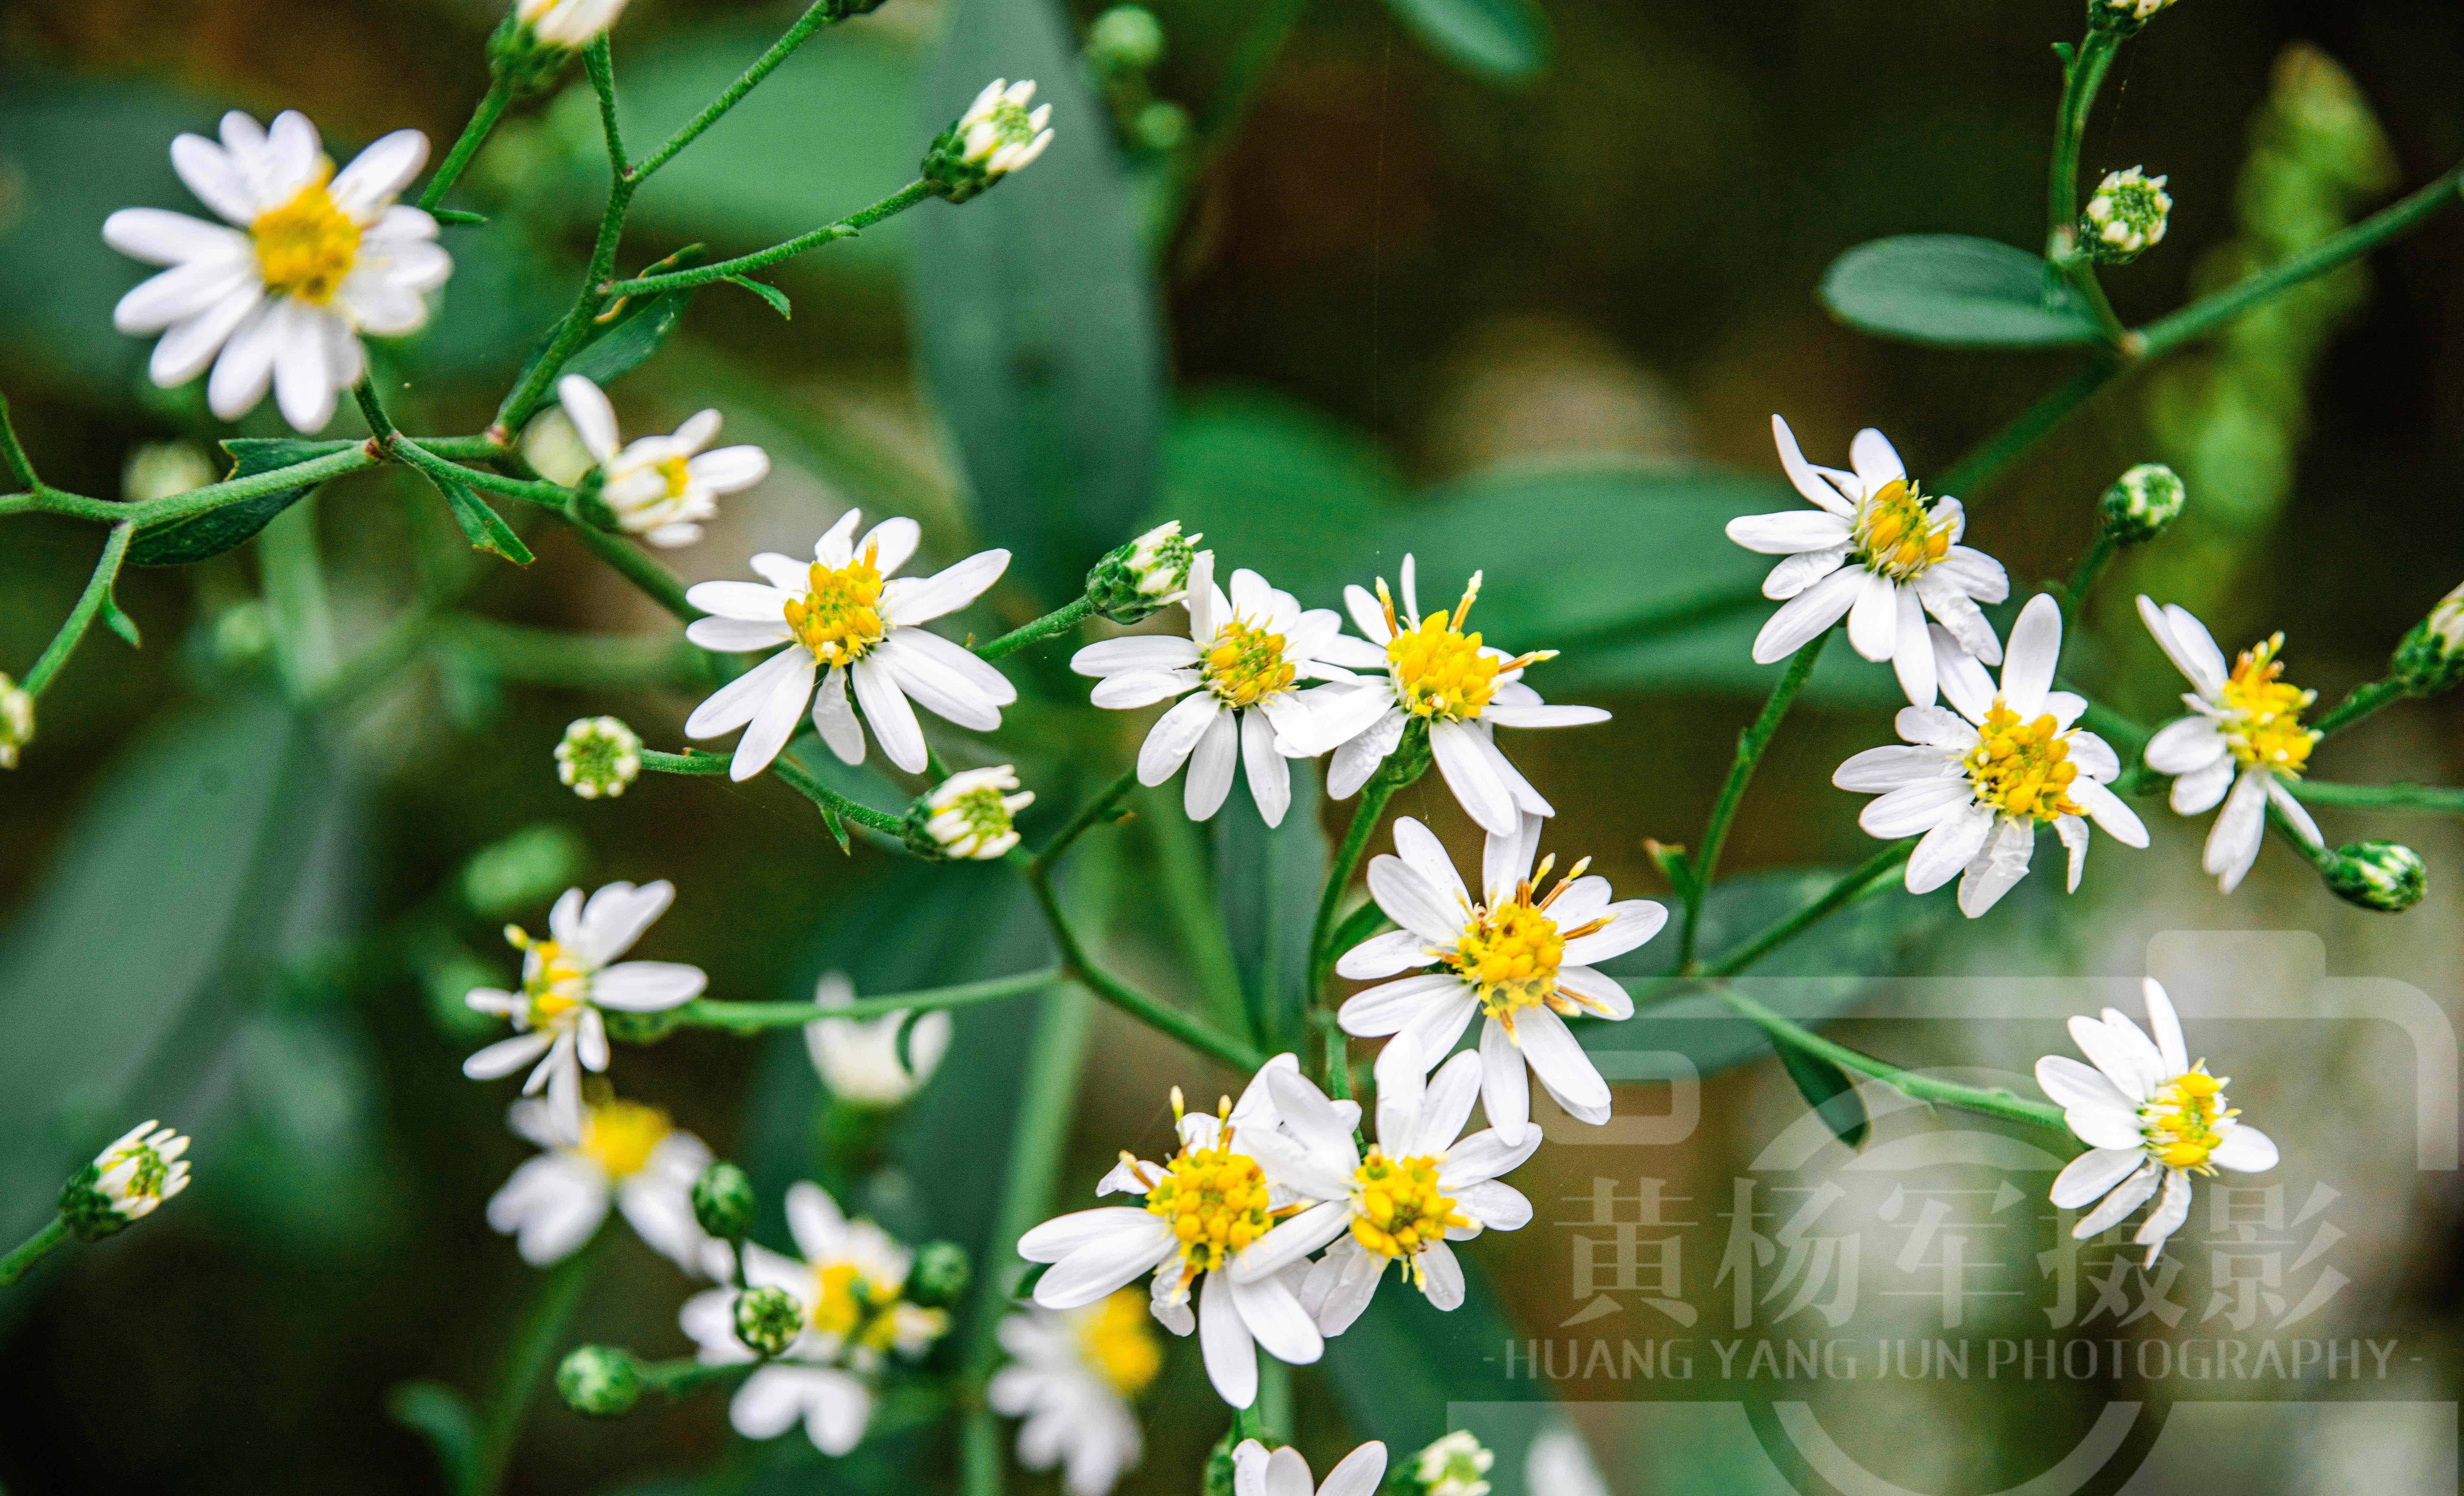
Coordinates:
484	528
1827	1089
201	537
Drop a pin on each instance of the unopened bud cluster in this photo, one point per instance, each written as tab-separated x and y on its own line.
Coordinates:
17	720
723	1201
768	1320
997	136
2384	877
159	470
1455	1466
1134	581
599	756
2429	659
2141	503
600	1381
2126	216
2125	16
939	1278
966	817
126	1180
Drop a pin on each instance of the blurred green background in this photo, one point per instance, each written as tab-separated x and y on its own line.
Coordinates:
1536	325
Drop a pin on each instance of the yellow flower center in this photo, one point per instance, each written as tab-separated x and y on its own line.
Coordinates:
620	1135
1439	671
2265	728
1510	953
673	470
853	1306
554	981
2022	769
1401	1208
1216	1201
307	246
2184	1121
985	813
840	619
1117	1342
1245	663
1896	536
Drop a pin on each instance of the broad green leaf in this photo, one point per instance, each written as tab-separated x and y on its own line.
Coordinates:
1266	880
1827	1089
482	526
1956	291
1276	487
199	537
1504	41
1035	308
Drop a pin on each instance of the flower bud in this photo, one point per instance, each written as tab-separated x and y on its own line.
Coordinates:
966	817
599	756
768	1320
1125	39
1162	126
17	720
571	24
2123	16
2125	218
126	1180
600	1381
2384	876
525	868
1150	573
2429	660
940	1274
994	138
723	1201
554	449
1455	1466
159	470
2141	503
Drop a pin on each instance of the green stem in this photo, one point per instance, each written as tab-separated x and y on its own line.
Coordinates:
2365	700
13	460
1923	1088
752	1018
163	511
1093	813
2430	799
483	118
2005	446
1081	968
2318	854
2080	81
1751	746
527	1361
1059	621
22	1258
2091	567
90	601
372	409
598	60
635	565
791	773
822	14
684	1375
1869	876
2210	313
547	496
1189	900
1382	786
591	662
847	228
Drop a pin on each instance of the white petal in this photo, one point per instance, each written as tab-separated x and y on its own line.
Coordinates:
2245	1149
378	173
507	1055
1874	620
737	635
1631	923
2071	1084
1104	1266
836	720
1383	956
2167	1217
1558	1060
2233	842
1935	727
2199	790
1408	900
1788	532
1270	774
1807	615
774	721
1949	848
1130	690
1387	1009
891	719
1424	854
1169	741
1276	1318
2127	1197
2035	649
1136	652
188	348
1998	868
1505	1085
914	600
1211	766
1801	571
1442	1277
1226	1343
2294	813
1360	1471
2185	744
1914	808
1876	461
945	679
733	705
647	986
1807	478
1912	650
1880	770
1063	1235
2090	1175
1467	772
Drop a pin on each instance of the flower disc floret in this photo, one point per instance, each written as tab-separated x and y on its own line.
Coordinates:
1117	1343
2264	722
1245	662
599	756
1511	952
2023	769
1401	1206
621	1135
1216	1201
553	982
839	620
2182	1121
17	720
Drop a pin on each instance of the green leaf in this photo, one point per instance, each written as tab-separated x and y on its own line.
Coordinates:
1266	881
1035	309
456	215
121	622
1956	291
1504	41
444	1416
483	526
776	297
1830	1092
199	537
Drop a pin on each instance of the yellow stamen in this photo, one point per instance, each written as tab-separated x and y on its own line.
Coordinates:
1400	1207
1510	952
306	247
1216	1201
840	620
2184	1122
674	469
554	983
1439	671
1246	661
620	1135
2265	725
2023	768
1118	1342
1896	536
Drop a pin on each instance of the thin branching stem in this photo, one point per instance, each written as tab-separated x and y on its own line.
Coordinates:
96	597
1751	744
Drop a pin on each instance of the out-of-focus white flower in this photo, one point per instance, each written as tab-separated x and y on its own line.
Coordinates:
1559	1463
598	755
2126	217
630	1155
569	23
1877	553
2246	737
1515	957
314	259
858	1058
841	613
1977	782
1456	1466
660	488
566	979
1238	675
2149	1119
16	719
1255	1472
1071	1376
967	815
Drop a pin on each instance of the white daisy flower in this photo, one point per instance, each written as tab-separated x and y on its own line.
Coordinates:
1284	1473
1979	780
1518	958
2247	737
1429	669
1423	1184
1211	1201
316	259
660	488
967	817
568	23
858	1058
629	1154
1071	1376
140	1169
842	613
1877	553
1240	676
2149	1117
852	1282
566	981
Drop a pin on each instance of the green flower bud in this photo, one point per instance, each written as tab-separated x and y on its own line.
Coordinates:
940	1274
241	635
2429	660
966	817
768	1320
723	1201
1150	573
994	138
525	61
2384	876
2141	503
600	1381
1455	1466
129	1179
2123	18
524	869
599	756
2125	218
17	720
1126	38
1161	126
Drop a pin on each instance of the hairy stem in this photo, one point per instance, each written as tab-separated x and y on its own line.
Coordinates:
847	228
1381	787
2091	567
2080	81
2364	701
1923	1088
90	601
746	1018
527	1361
1059	621
822	14
1750	747
635	565
483	119
21	1257
2005	445
1869	876
2430	799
